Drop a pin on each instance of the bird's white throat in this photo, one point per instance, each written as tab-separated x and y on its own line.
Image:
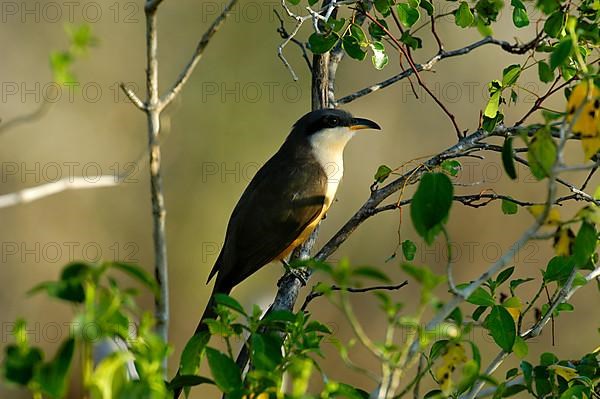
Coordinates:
328	147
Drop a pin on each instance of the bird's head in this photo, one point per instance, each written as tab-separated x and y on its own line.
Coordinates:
330	128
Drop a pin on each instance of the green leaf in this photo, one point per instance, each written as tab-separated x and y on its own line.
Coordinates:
519	16
561	52
315	326
409	249
431	204
52	377
527	373
554	24
509	207
336	24
576	392
565	307
229	302
383	172
427	6
559	268
510	74
545	73
480	297
20	362
411	41
464	17
320	44
357	32
478	312
548	359
508	158
371	272
137	273
81	37
547	6
451	166
502	327
266	351
585	243
379	58
423	275
541	154
192	353
376	32
407	15
225	372
491	109
352	47
520	348
188	380
383	6
294	2
488	10
60	64
505	275
437	349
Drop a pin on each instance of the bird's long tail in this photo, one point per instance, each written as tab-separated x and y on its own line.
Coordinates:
221	287
209	312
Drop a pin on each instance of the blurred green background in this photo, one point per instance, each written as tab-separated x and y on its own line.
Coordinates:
234	113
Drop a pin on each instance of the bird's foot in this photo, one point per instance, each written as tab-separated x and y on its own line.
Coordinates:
299	273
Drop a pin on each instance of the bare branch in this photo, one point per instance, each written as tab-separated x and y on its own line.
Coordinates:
315	294
514	49
189	68
133	97
38	113
45	190
285	35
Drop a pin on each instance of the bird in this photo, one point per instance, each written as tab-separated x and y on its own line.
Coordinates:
285	200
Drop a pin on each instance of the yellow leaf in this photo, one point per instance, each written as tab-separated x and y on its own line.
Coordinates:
453	357
553	217
590	213
591	145
587	123
514	306
565	372
564	238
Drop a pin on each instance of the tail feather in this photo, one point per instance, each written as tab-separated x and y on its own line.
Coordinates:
210	312
221	287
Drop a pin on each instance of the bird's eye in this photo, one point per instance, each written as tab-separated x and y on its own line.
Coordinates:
333	121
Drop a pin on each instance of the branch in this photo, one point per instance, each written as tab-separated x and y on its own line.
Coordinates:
408	56
45	190
133	97
189	68
38	113
565	293
315	294
285	35
511	48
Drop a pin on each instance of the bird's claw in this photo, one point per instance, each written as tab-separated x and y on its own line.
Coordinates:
299	273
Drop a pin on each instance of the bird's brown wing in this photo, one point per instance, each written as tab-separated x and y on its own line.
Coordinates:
277	206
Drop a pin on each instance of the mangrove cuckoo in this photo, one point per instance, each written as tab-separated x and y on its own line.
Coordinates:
286	199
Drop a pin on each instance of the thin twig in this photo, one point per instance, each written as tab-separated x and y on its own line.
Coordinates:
285	35
429	65
315	294
38	113
31	194
191	65
408	56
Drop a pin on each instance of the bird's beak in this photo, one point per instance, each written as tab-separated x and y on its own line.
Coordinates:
362	123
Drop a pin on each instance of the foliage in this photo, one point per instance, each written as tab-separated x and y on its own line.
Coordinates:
290	344
103	311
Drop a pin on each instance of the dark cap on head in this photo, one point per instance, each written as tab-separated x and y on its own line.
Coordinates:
318	120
